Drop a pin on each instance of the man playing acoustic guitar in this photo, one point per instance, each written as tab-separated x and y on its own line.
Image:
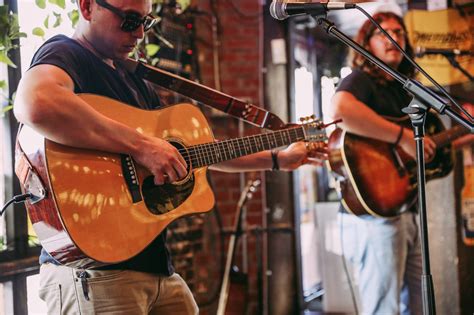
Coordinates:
47	102
385	252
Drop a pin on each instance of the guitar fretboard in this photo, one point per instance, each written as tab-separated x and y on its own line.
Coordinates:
446	137
216	152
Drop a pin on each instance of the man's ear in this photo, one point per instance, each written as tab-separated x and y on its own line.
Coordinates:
85	9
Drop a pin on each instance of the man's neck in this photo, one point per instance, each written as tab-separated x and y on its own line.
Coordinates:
84	42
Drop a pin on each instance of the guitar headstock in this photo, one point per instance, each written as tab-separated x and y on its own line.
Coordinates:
314	129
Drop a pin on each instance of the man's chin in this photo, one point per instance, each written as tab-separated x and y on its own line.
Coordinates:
393	62
122	56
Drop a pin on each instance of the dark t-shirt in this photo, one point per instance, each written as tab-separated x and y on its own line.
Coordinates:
92	75
385	99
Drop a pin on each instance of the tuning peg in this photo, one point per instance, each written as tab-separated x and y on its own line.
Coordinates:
332	123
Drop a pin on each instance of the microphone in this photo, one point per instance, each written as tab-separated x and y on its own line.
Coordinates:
281	10
421	51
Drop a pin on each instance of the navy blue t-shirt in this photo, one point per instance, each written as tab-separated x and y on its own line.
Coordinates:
386	99
91	75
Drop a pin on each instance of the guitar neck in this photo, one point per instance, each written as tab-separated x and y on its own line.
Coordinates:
446	137
215	152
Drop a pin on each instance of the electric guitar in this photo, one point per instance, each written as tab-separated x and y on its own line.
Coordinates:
234	283
93	208
376	178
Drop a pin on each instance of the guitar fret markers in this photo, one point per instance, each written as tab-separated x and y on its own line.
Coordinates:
212	153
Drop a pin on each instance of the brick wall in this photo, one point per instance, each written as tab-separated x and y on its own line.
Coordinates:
239	35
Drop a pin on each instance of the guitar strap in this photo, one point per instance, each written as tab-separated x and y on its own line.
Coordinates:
22	164
27	174
245	111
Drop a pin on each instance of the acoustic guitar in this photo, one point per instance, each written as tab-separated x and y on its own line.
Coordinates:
93	208
375	178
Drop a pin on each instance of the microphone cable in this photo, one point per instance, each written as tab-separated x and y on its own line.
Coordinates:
16	199
426	75
344	264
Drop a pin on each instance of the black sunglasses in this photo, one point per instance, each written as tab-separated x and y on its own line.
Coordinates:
131	21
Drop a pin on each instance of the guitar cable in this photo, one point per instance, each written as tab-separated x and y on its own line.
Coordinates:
16	199
344	264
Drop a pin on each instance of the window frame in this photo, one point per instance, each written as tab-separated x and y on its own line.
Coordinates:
19	260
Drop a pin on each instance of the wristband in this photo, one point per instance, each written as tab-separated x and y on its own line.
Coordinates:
275	165
399	137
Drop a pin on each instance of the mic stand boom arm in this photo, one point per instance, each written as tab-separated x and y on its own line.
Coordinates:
423	99
420	92
452	60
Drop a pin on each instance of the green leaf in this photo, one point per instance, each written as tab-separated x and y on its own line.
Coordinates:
151	49
5	59
3	84
4	23
59	19
46	22
38	31
41	4
74	17
184	4
14	26
7	108
59	3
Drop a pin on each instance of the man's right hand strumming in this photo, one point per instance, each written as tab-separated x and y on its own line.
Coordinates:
162	159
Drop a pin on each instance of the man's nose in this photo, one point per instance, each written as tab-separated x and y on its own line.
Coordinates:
139	33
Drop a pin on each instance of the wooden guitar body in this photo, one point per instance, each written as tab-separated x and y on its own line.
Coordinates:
373	179
88	211
91	208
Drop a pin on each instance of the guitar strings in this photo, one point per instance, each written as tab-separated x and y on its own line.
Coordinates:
228	149
277	133
242	141
201	152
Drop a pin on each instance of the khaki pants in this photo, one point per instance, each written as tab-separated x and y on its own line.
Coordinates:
113	292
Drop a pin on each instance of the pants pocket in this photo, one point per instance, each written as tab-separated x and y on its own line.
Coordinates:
100	276
51	294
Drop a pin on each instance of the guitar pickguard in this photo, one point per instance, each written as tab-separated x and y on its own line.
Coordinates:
165	198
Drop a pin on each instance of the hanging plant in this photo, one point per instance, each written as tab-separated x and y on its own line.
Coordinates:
56	17
9	33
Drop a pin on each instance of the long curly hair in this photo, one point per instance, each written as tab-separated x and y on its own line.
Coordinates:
363	38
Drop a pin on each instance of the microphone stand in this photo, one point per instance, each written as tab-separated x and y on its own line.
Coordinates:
423	99
452	60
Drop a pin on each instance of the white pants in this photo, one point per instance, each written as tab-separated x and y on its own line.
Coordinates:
114	292
386	258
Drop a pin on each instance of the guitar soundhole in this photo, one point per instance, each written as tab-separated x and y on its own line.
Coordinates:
165	198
